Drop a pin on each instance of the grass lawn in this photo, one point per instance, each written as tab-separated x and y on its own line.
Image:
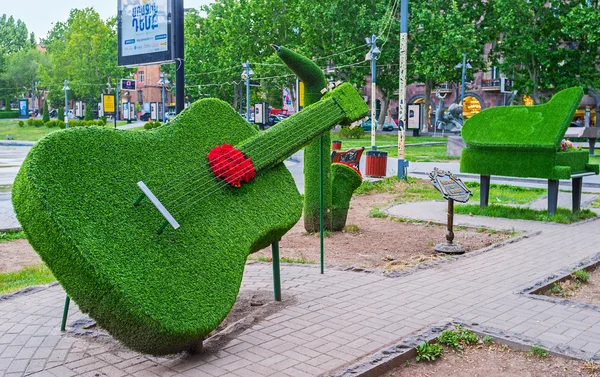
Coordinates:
26	277
11	236
428	153
563	215
30	133
422	190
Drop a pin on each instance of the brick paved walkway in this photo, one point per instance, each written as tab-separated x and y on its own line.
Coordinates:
336	318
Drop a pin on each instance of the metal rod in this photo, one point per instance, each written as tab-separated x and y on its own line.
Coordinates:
450	234
321	210
162	227
139	200
66	88
373	89
179	57
276	271
63	324
402	164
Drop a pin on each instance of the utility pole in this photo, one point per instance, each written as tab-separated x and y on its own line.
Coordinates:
116	103
66	89
33	94
246	76
163	82
372	55
402	163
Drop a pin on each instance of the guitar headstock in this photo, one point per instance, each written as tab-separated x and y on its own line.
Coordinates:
350	100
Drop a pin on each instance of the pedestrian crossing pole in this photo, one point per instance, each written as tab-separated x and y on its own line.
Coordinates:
402	163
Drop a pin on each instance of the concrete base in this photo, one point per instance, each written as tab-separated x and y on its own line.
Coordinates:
455	146
449	249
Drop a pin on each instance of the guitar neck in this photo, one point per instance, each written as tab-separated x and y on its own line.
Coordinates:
290	135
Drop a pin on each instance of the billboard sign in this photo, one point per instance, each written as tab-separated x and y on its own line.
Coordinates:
108	103
127	84
414	117
145	32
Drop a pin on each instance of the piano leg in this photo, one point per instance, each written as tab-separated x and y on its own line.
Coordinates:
577	183
484	190
552	196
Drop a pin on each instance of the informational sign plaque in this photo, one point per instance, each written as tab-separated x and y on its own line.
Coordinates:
145	32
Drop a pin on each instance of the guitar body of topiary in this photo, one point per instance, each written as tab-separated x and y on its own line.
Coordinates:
163	293
158	294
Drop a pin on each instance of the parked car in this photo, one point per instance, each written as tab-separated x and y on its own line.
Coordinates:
145	117
53	113
33	113
274	119
366	125
169	116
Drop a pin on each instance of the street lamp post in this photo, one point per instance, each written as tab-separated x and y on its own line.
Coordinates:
66	89
163	82
246	76
372	55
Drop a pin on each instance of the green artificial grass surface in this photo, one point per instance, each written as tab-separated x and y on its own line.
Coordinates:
563	215
157	294
344	181
26	277
534	128
161	294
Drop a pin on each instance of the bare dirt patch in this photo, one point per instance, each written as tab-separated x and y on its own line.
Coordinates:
574	290
378	242
495	361
369	242
15	255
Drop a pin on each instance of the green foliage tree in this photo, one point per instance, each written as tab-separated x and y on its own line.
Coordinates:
13	35
547	45
45	113
440	33
23	71
83	50
60	114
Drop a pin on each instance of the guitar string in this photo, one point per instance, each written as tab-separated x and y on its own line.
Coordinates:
194	176
209	176
274	143
189	200
266	158
177	209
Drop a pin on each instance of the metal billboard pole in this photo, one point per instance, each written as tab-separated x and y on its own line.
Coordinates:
402	163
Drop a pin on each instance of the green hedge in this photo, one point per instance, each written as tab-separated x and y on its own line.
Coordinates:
344	181
157	294
9	114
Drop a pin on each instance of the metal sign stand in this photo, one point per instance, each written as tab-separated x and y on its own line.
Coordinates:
451	189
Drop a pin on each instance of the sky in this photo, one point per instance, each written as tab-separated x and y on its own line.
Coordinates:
39	15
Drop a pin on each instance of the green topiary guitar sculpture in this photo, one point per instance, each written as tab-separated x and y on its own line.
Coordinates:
162	293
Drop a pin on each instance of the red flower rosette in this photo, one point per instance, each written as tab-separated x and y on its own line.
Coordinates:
231	165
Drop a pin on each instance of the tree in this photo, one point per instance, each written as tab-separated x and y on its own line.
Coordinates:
45	113
60	114
23	71
547	45
441	32
13	35
83	50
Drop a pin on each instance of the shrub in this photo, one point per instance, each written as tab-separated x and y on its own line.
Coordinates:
149	125
21	123
51	123
89	113
74	123
345	132
61	124
30	122
38	122
103	118
60	114
101	122
45	113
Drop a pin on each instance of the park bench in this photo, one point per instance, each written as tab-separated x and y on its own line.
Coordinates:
349	157
525	141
